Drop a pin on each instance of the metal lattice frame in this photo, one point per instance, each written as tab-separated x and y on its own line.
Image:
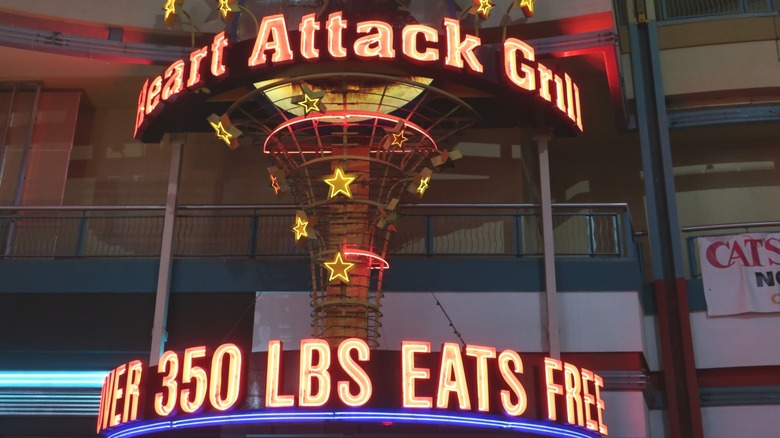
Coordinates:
351	133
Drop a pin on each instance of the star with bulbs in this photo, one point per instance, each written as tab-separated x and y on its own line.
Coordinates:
423	185
399	139
484	7
222	133
339	269
300	228
527	6
339	183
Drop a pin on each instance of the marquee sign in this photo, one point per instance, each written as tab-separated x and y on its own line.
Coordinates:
512	65
475	386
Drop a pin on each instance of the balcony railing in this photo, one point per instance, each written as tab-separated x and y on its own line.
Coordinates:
581	230
676	9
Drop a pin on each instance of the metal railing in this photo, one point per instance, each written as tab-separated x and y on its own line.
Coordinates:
677	9
690	234
581	230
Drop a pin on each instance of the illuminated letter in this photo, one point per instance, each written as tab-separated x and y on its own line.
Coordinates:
452	377
102	405
545	76
233	376
409	39
509	363
355	372
551	365
310	371
588	400
117	395
196	57
271	26
570	97
571	378
272	397
559	99
169	362
109	385
134	373
336	26
528	80
483	389
217	54
579	109
378	45
458	50
141	110
153	95
190	372
174	80
410	373
600	405
309	27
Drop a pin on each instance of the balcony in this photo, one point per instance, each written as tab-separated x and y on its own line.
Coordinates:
679	9
243	247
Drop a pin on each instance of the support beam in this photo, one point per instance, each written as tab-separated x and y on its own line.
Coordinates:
550	289
679	368
159	329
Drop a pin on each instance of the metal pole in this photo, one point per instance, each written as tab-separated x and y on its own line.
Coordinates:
551	289
159	329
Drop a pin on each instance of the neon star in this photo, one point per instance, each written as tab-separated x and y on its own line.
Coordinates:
339	183
339	269
222	133
300	228
275	185
224	8
484	7
399	139
169	8
310	104
423	185
527	6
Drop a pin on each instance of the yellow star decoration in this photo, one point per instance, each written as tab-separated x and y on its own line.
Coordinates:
169	8
484	7
222	133
300	228
224	8
275	184
339	269
310	104
399	139
527	6
423	185
339	183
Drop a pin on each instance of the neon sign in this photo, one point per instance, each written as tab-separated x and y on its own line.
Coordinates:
203	385
338	39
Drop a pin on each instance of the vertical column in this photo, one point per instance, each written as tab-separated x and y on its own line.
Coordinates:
159	333
682	392
551	288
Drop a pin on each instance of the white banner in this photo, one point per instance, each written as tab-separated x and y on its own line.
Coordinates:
741	273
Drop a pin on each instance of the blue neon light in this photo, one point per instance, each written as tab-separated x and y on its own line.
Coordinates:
449	419
52	379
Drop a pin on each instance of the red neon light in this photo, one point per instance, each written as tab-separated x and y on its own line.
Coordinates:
336	25
383	264
344	116
378	45
308	28
272	35
217	53
409	38
459	51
